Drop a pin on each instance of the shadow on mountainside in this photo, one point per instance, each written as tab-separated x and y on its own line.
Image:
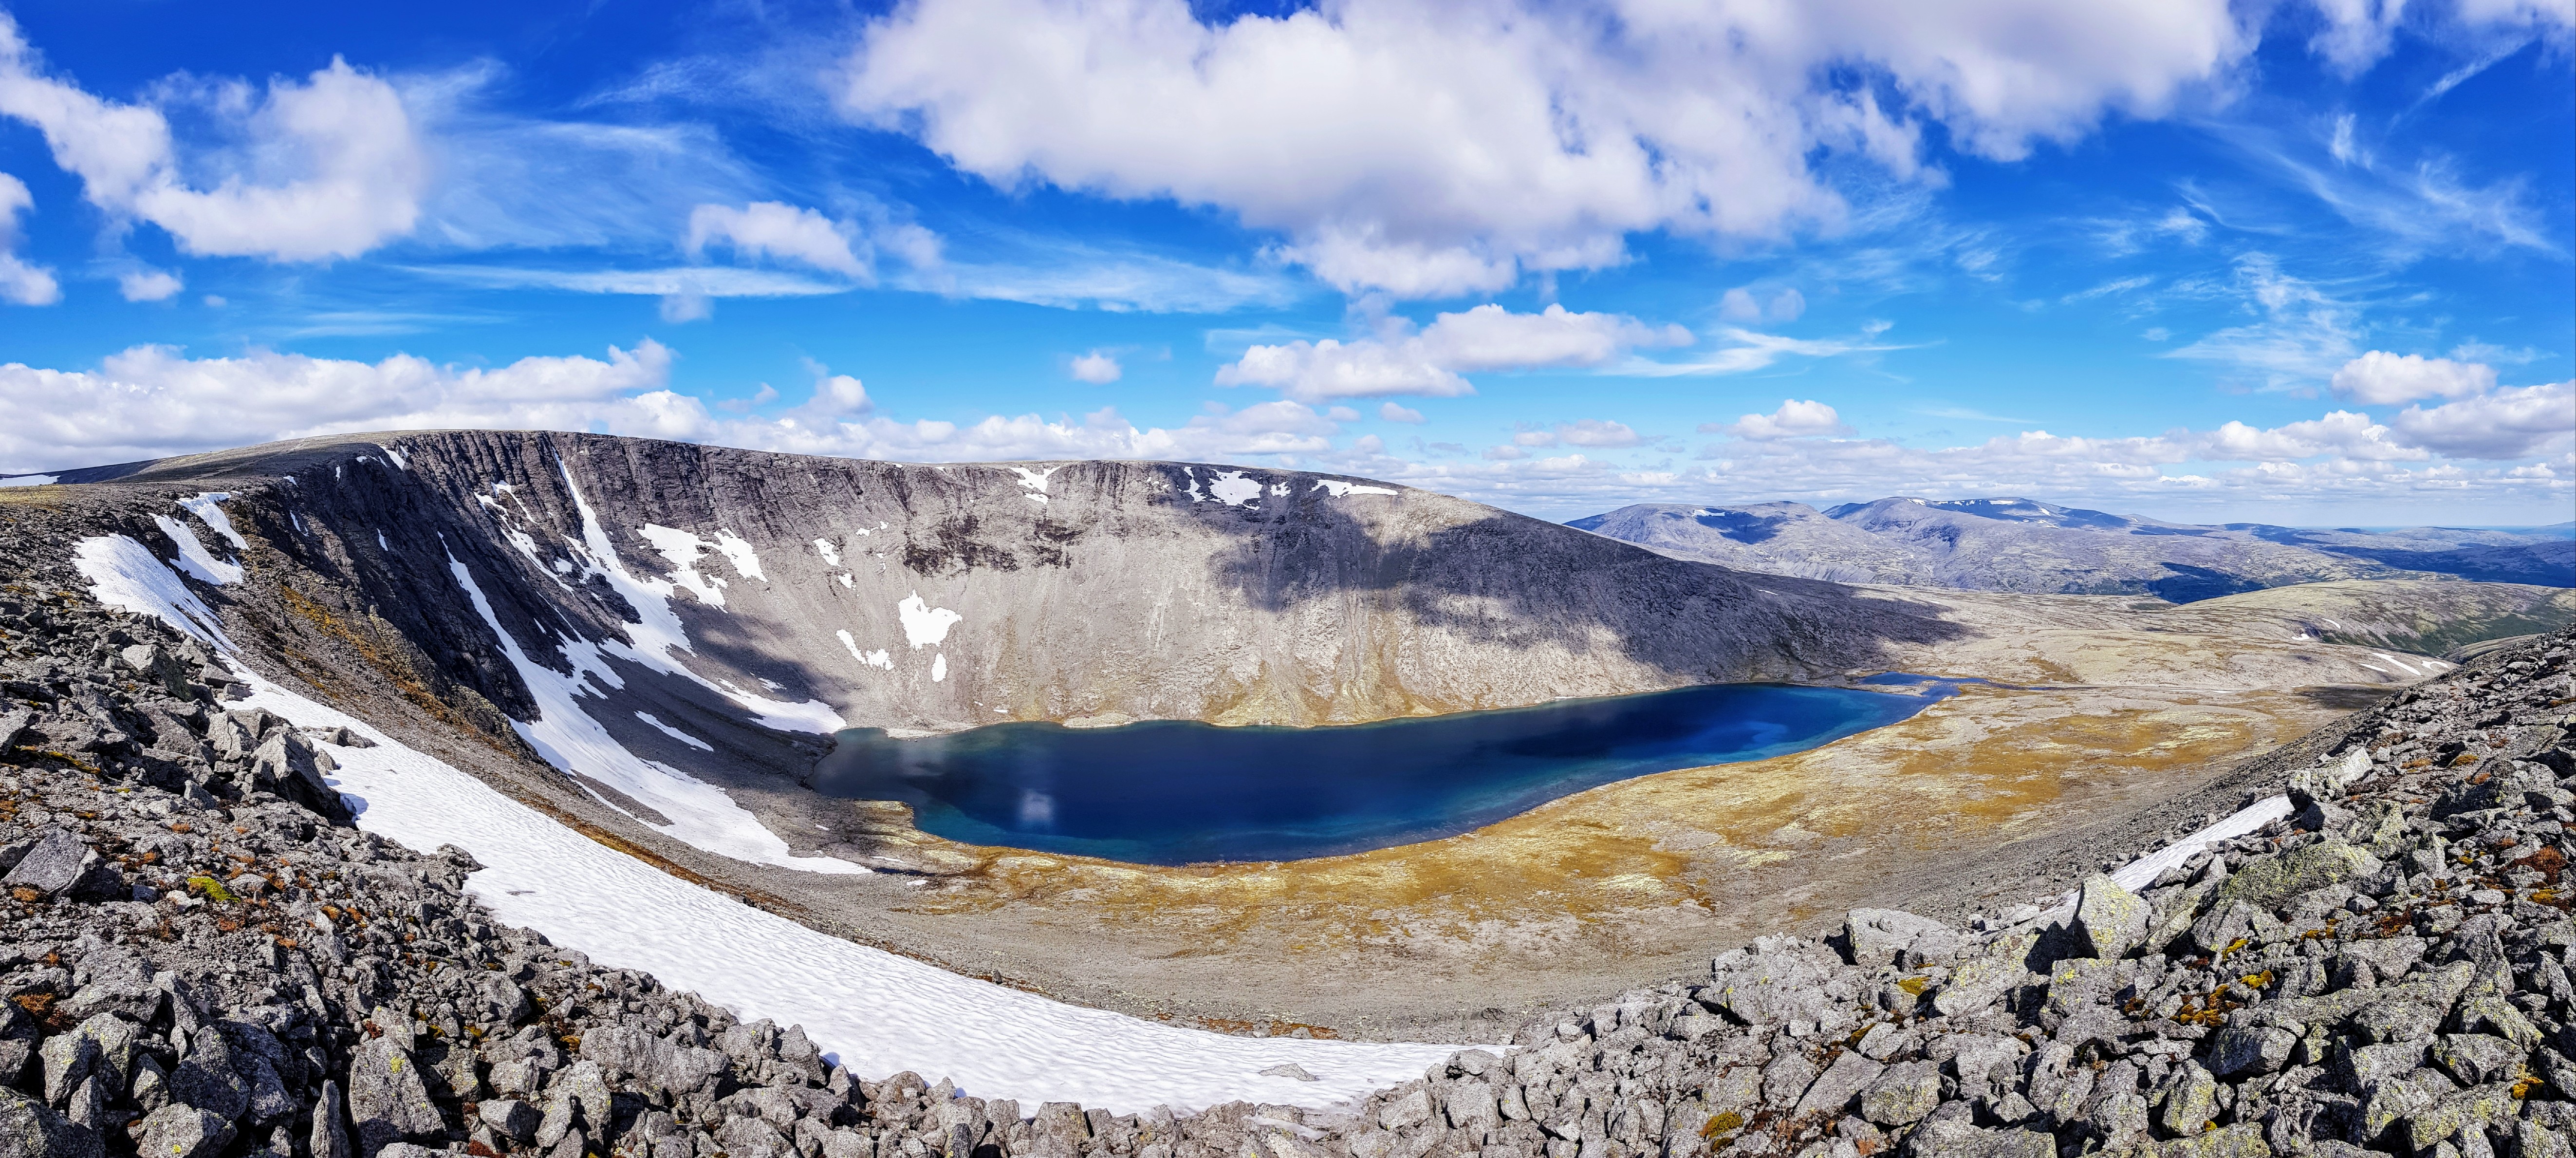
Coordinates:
1525	583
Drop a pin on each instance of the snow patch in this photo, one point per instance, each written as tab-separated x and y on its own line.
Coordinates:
400	462
875	1012
939	667
1231	488
122	572
193	556
28	480
1035	480
657	631
697	813
675	733
388	548
1040	500
845	579
2137	876
746	563
1338	488
923	624
208	509
682	549
830	553
878	658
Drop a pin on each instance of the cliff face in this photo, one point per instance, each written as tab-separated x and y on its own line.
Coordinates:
940	597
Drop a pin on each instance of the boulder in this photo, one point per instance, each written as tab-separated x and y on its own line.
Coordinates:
1902	1094
31	1129
2109	920
182	1131
388	1101
1872	938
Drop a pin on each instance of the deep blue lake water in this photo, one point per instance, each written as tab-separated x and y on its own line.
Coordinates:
1176	792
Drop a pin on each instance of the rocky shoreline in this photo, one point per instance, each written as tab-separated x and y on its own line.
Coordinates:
203	959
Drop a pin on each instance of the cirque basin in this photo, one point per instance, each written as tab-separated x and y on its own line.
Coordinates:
1171	792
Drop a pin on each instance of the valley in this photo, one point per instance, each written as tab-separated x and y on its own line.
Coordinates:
654	644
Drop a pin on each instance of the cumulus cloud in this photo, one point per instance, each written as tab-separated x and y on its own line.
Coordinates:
1401	360
1096	367
152	401
2508	424
779	231
20	282
328	168
1393	413
148	285
2380	378
1794	419
1430	151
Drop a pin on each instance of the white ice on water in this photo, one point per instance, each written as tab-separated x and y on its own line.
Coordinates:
873	1011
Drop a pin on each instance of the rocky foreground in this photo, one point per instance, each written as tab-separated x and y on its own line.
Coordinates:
201	958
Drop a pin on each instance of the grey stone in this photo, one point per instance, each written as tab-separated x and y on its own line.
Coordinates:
31	1129
2190	1101
2368	1065
213	1076
1786	1079
183	1131
1838	1085
1413	1109
328	1136
510	1118
1875	937
1902	1094
577	1097
388	1100
2109	920
2473	1058
1779	980
2266	881
2391	1021
2250	1049
53	866
1977	984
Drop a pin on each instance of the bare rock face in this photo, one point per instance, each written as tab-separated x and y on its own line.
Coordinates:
942	597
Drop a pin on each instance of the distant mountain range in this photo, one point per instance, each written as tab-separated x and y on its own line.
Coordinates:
2010	544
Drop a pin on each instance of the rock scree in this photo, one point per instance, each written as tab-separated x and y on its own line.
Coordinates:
203	959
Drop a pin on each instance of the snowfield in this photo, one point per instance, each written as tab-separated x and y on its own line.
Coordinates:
869	1009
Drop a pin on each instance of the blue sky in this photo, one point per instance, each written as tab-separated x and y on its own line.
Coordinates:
2297	262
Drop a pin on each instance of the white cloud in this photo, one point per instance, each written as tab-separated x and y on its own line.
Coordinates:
1749	351
20	282
2380	378
1430	361
1431	151
1598	433
689	303
149	285
2356	33
1794	419
1739	305
2508	424
777	230
2302	335
150	401
327	168
1096	367
1391	412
